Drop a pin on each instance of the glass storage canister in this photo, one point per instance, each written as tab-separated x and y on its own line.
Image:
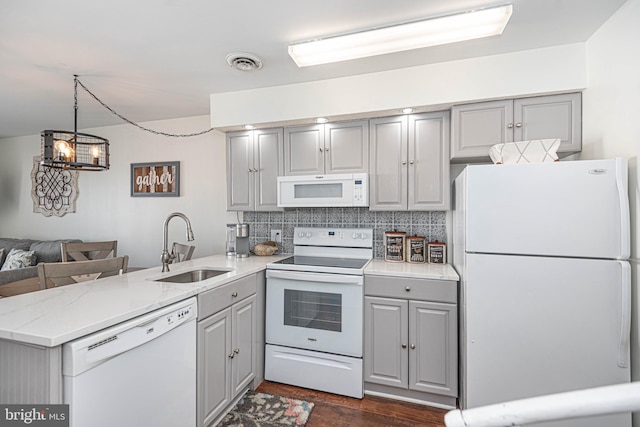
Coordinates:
416	249
394	246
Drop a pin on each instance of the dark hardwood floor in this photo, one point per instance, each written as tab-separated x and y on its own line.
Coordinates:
331	410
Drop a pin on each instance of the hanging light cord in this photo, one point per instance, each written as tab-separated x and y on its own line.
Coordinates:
78	82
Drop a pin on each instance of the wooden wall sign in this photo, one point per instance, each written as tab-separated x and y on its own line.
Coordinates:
161	179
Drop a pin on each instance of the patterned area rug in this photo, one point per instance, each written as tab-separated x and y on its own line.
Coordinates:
265	410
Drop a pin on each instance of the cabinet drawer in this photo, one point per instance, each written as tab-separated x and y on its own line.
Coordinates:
410	288
219	298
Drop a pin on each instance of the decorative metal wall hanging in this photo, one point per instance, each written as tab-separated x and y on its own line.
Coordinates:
159	179
54	191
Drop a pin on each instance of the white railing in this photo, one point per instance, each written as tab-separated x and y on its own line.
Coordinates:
560	406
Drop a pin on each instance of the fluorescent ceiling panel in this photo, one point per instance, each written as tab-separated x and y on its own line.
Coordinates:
414	35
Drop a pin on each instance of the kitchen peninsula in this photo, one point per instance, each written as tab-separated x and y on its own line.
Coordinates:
34	326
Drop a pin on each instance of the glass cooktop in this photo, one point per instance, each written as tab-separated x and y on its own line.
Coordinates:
312	261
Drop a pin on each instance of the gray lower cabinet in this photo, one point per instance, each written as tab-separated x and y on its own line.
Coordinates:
330	148
411	338
476	127
254	161
226	346
410	162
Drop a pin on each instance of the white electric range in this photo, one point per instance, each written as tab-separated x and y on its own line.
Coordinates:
314	318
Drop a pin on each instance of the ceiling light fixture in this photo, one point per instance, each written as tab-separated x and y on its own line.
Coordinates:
413	35
74	150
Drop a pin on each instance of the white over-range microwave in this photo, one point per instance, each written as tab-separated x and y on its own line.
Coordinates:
338	190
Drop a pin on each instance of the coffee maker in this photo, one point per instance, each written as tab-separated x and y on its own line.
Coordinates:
238	240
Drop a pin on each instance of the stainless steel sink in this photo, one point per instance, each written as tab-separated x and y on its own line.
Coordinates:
193	276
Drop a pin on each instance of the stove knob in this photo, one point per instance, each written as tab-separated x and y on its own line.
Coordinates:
355	235
300	234
308	235
363	235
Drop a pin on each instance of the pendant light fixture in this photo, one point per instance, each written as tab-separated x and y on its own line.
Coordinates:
74	150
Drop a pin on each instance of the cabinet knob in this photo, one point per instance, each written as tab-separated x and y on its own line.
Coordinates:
321	150
250	170
235	294
408	289
510	126
518	125
255	170
404	346
236	351
411	162
230	356
413	346
326	149
404	162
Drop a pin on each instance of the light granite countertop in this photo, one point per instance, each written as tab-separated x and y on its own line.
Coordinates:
54	316
380	267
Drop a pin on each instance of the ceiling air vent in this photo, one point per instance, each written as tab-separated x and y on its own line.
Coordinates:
244	61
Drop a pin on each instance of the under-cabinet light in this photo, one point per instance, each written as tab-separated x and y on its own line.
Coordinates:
413	35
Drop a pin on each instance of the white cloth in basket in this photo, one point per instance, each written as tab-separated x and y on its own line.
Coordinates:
541	150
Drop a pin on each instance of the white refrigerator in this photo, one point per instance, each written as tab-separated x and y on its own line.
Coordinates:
545	294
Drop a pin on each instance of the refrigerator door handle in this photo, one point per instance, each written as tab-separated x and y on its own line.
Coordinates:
625	327
621	185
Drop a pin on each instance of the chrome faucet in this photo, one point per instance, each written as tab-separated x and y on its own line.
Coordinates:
167	258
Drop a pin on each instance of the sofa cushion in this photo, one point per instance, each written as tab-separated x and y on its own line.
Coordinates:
10	276
7	244
49	250
18	258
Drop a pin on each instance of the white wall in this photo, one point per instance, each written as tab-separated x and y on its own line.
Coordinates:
610	122
105	209
559	68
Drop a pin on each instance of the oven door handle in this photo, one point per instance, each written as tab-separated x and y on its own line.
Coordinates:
316	277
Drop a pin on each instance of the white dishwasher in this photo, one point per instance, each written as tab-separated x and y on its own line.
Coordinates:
141	372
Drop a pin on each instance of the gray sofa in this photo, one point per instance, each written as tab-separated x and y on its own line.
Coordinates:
45	251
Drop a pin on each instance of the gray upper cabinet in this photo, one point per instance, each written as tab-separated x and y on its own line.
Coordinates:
410	162
553	116
476	127
254	161
303	150
327	148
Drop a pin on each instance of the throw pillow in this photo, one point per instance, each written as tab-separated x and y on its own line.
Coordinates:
1	254
17	258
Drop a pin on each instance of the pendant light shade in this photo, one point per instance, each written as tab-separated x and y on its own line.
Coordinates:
74	150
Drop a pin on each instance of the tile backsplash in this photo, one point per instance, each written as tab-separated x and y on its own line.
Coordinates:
431	225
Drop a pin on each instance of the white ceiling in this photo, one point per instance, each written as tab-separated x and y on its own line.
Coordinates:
159	59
